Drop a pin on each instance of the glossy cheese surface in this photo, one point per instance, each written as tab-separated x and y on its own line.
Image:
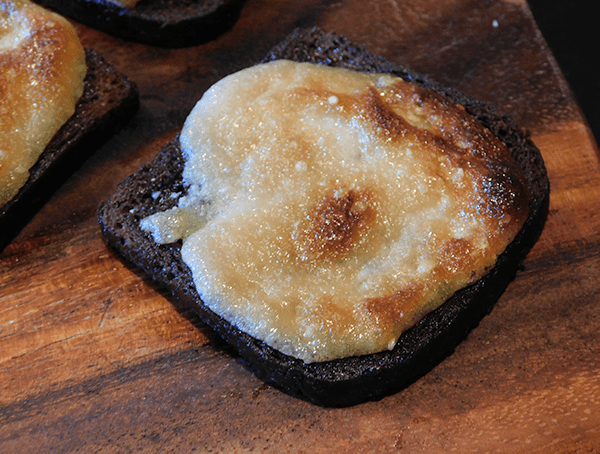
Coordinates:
42	67
329	210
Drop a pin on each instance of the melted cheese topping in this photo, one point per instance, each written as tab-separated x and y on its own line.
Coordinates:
329	210
42	66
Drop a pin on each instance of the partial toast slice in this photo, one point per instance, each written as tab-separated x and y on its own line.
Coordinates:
108	102
164	23
353	380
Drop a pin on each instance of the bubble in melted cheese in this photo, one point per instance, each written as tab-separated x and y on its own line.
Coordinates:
42	66
329	210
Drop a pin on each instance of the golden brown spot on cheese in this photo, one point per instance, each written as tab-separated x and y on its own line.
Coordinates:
384	118
455	255
400	305
339	221
404	114
332	317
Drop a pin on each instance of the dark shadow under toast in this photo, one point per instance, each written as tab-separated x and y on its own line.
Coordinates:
353	380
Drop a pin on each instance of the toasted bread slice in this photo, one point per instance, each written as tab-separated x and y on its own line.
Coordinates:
164	23
352	380
108	101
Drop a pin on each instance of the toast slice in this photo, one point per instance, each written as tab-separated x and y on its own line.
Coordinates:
347	381
164	23
108	101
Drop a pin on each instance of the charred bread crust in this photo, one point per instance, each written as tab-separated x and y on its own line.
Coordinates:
164	23
352	380
108	101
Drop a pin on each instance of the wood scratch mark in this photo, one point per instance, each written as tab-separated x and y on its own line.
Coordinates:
106	309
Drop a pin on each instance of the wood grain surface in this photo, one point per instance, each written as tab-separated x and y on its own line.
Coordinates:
95	358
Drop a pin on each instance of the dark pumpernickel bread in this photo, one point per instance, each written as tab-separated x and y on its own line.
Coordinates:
108	101
353	380
165	23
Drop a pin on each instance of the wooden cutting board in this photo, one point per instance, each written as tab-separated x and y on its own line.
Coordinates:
95	358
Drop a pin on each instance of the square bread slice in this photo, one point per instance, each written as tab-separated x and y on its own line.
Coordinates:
346	381
163	23
108	102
